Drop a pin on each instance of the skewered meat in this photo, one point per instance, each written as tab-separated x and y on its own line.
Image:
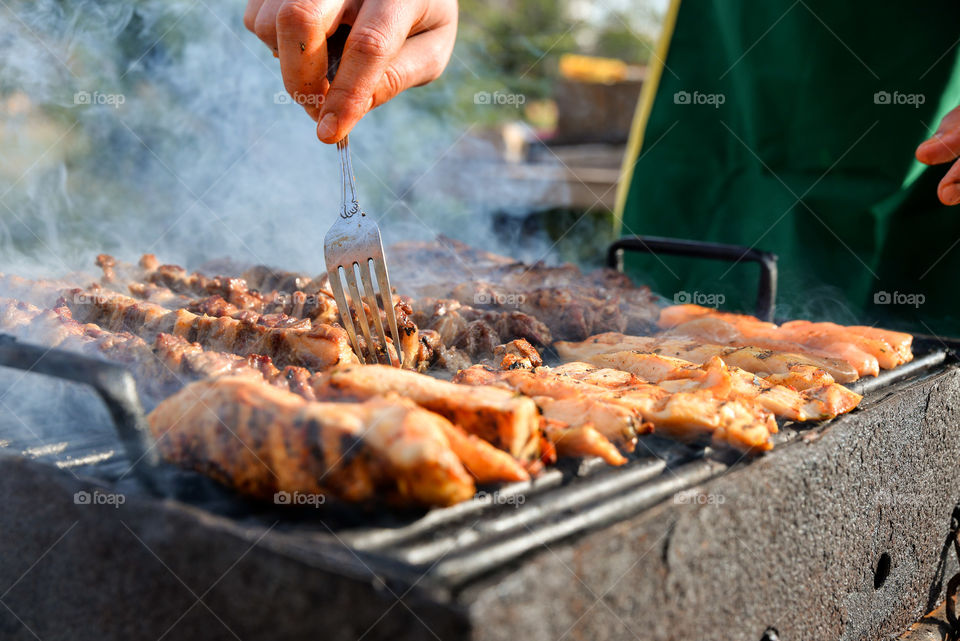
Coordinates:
319	346
261	440
581	395
753	359
508	421
725	382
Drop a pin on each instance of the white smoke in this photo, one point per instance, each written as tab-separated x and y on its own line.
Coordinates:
154	126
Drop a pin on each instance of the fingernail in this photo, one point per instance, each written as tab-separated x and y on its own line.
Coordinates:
327	127
950	194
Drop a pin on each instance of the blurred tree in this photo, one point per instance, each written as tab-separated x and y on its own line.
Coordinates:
618	39
519	40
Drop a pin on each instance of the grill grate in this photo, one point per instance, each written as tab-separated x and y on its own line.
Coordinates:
454	545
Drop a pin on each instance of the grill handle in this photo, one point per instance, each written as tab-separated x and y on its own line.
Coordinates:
766	288
113	383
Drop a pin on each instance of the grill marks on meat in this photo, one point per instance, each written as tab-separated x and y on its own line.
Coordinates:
259	295
261	440
320	346
508	421
732	383
866	349
611	401
763	362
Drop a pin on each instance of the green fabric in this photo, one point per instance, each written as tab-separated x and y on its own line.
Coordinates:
799	119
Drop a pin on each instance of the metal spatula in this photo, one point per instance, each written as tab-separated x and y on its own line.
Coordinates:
352	243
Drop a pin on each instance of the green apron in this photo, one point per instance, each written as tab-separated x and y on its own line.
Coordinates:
792	128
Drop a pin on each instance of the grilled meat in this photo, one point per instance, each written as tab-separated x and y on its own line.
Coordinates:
581	441
726	382
567	401
319	346
571	304
508	421
753	359
865	349
613	401
518	354
261	440
477	332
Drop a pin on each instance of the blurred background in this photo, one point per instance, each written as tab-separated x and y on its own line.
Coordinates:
162	126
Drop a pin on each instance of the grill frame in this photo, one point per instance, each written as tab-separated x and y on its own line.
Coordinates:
446	565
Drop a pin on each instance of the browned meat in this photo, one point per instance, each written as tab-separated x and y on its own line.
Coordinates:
518	354
753	359
319	346
261	440
509	421
571	304
617	403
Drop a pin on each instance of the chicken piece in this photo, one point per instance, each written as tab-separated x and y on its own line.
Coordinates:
566	400
866	349
518	354
261	440
724	382
502	418
579	394
753	359
581	441
826	334
801	377
485	463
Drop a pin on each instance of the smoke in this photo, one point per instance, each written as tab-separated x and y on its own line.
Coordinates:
162	126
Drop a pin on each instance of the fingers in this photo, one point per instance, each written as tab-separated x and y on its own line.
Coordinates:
944	146
265	25
250	15
381	28
421	60
301	28
949	188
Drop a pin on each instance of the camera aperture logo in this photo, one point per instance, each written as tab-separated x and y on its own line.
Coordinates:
899	298
302	99
896	98
699	298
498	299
97	497
497	498
299	498
500	98
96	98
698	98
694	497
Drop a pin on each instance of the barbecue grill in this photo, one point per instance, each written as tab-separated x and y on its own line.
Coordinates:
842	531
